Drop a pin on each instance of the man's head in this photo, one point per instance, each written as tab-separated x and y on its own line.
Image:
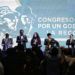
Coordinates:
21	32
71	36
49	35
7	35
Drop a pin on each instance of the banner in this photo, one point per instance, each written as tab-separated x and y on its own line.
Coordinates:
54	16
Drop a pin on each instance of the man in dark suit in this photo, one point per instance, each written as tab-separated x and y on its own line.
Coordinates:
22	39
50	43
71	43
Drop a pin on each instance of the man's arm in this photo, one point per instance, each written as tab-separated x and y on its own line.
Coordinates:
25	39
18	40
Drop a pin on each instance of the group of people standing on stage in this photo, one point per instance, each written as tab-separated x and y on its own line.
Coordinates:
49	42
35	41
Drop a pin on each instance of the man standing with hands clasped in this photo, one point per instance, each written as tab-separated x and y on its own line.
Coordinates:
22	39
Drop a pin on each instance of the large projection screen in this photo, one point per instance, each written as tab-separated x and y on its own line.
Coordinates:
42	16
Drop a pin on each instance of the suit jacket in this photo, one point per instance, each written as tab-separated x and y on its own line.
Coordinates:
22	41
53	43
7	43
70	43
